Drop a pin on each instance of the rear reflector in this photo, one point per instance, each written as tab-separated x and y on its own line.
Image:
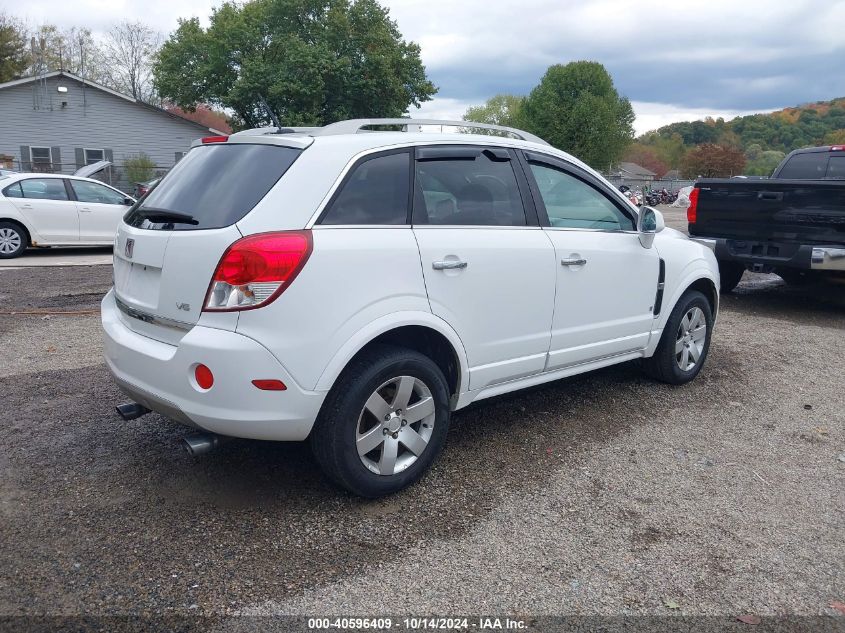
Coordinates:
257	269
203	376
692	209
270	385
214	139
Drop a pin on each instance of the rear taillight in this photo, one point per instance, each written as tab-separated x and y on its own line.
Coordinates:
837	148
257	269
692	209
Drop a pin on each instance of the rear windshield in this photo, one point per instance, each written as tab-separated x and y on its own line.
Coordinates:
809	166
212	186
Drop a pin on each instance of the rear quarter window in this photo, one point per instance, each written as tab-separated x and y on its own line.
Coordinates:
810	166
216	185
836	168
13	191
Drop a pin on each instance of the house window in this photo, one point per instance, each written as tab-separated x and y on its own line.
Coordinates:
94	156
41	159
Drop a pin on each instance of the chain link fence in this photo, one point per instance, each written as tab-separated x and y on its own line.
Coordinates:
116	175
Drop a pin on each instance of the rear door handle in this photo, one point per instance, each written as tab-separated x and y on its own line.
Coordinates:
449	264
573	262
770	195
85	209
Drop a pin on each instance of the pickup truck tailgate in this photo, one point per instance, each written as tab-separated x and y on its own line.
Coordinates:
798	211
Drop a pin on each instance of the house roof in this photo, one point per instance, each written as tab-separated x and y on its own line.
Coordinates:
634	169
120	95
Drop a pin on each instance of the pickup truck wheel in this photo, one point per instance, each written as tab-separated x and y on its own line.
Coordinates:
685	341
730	274
13	240
383	423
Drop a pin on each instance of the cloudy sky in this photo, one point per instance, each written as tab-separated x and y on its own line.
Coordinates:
678	60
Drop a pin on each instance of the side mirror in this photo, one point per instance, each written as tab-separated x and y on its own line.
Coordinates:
128	201
649	223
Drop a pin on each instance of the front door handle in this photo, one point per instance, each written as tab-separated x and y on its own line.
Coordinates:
449	264
573	262
770	195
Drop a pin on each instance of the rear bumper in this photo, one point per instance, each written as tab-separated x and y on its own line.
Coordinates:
159	376
805	256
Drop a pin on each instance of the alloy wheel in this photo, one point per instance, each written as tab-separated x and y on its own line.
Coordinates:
689	343
395	426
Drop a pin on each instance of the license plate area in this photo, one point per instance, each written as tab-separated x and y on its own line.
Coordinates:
137	283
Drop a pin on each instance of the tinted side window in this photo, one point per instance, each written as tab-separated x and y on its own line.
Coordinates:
805	167
13	191
479	191
572	203
376	192
836	167
91	192
44	188
217	185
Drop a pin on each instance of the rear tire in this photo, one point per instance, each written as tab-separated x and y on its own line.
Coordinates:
383	423
685	341
13	240
730	274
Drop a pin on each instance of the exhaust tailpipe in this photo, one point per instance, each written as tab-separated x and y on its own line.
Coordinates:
131	410
200	443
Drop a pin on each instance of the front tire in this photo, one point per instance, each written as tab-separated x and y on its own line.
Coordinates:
13	240
685	341
383	423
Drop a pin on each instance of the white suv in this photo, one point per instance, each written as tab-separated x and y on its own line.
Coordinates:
356	288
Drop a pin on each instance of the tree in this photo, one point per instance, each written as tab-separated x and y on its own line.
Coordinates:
836	137
204	115
14	58
129	48
314	61
647	157
764	163
713	161
503	109
753	151
140	168
73	50
576	108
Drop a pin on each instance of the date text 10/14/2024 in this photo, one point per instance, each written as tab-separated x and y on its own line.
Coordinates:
418	623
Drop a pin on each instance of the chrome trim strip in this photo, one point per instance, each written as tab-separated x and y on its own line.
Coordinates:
146	317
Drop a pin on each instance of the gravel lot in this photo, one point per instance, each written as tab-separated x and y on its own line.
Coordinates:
602	494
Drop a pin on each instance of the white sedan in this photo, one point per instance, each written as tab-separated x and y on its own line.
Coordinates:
57	210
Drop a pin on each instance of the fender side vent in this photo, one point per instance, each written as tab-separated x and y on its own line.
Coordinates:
661	279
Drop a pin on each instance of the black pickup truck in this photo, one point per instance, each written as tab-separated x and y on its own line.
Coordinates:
792	224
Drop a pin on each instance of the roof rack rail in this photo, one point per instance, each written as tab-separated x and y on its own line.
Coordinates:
353	126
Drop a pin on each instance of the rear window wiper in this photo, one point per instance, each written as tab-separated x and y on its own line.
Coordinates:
166	215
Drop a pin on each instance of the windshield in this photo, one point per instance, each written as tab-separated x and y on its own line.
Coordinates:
214	185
